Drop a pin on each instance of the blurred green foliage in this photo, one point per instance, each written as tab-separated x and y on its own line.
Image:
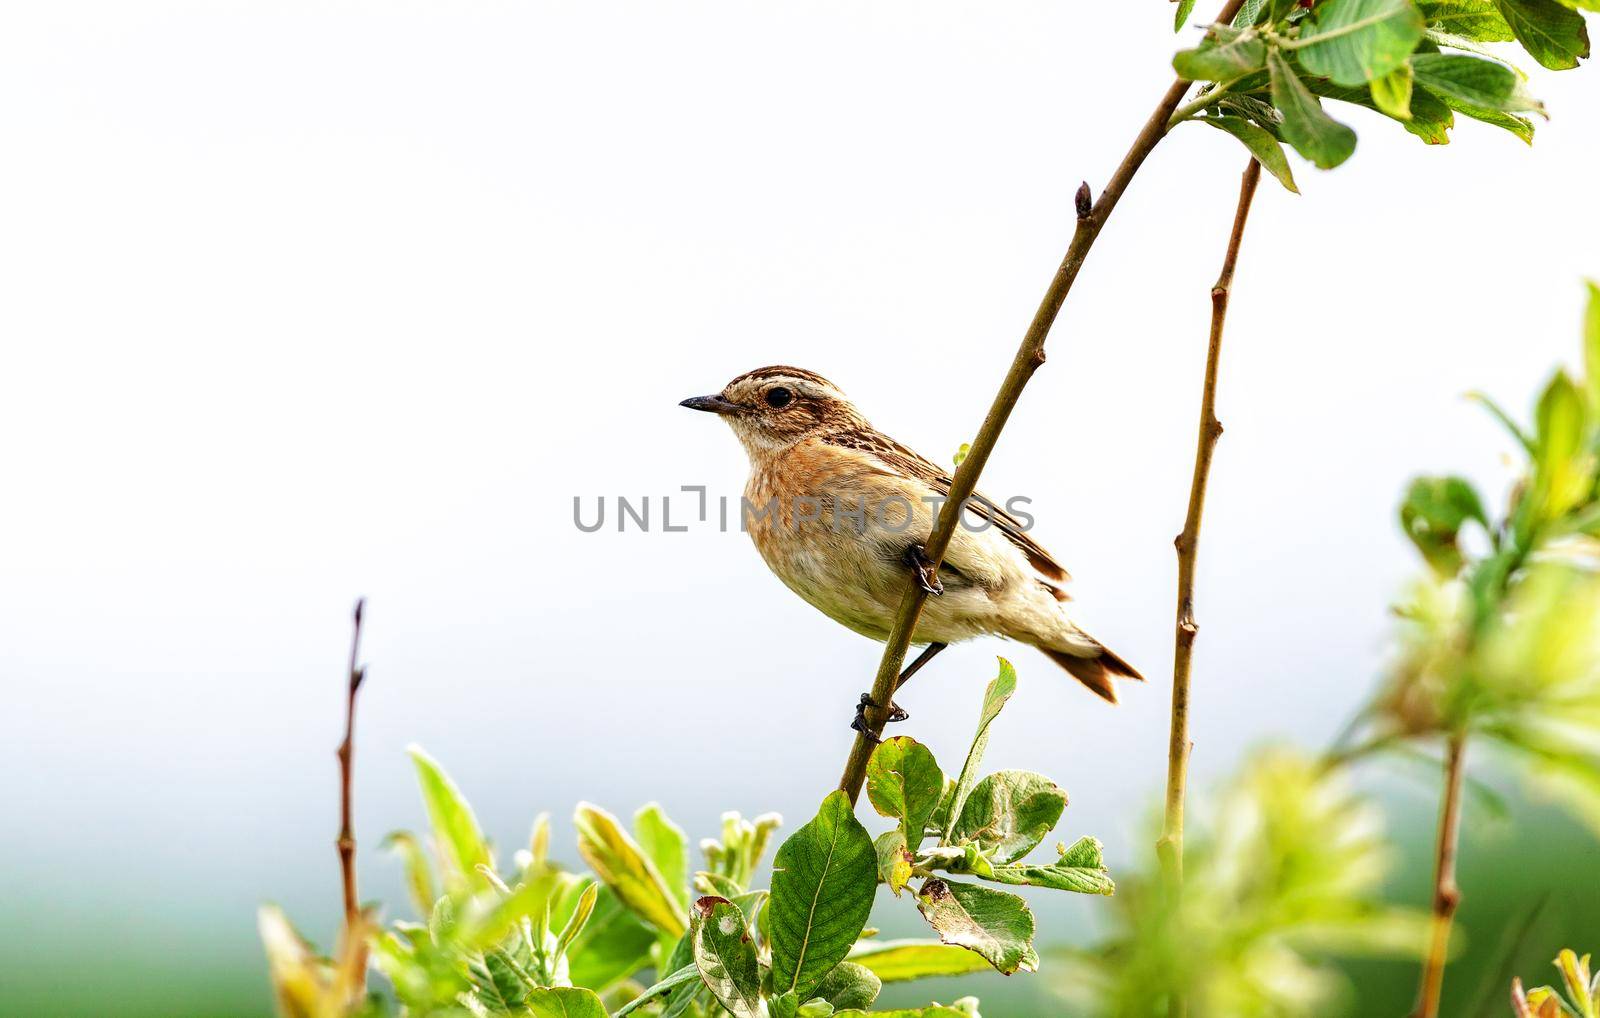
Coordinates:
535	939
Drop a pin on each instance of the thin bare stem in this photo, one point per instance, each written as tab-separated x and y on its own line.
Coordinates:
1188	544
347	838
1092	217
1170	847
1446	894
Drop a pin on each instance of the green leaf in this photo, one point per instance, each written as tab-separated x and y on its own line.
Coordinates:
725	953
1185	8
565	1002
823	881
578	920
904	783
789	1005
1487	84
686	974
995	696
1552	34
1392	92
1478	20
1357	41
1432	515
1081	868
1431	119
455	828
1522	127
993	924
668	847
1564	470
1009	813
480	929
619	861
1591	349
1523	438
934	1011
849	985
419	875
895	961
1261	145
499	983
612	945
1313	133
1225	54
894	861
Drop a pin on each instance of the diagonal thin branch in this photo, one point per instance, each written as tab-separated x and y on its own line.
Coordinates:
1030	354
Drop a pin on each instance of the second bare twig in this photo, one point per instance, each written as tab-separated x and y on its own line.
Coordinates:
1092	216
347	839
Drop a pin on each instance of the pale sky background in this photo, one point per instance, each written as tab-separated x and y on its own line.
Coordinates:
304	301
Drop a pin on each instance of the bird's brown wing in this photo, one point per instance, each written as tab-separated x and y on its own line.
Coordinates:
905	461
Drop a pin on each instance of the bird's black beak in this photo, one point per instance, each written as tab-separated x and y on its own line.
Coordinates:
711	404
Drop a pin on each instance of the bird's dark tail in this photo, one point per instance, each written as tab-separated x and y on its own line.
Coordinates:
1096	672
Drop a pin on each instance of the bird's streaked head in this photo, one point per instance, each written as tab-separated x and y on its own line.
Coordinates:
774	407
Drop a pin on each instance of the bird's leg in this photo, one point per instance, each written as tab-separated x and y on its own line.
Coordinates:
927	575
896	712
921	659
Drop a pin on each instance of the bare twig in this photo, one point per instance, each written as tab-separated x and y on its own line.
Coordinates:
1092	217
1188	544
347	838
1446	895
1170	847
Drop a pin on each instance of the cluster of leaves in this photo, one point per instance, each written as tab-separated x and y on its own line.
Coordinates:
982	828
1418	62
1499	635
1288	870
535	939
1583	992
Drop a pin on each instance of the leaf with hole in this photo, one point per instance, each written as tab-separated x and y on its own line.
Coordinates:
994	924
725	954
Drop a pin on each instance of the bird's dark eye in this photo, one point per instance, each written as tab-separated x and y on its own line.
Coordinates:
779	398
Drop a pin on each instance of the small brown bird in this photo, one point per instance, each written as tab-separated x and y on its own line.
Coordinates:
840	511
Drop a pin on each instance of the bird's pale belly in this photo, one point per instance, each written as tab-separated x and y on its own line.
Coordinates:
858	579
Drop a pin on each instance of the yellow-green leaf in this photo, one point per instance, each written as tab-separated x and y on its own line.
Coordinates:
622	865
455	828
896	961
